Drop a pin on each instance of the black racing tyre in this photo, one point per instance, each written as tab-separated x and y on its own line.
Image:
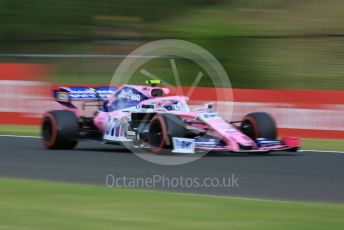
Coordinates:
259	125
162	129
60	129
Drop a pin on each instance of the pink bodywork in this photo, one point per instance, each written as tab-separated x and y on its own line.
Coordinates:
219	128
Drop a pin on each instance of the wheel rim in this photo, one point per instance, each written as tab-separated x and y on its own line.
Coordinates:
248	129
156	134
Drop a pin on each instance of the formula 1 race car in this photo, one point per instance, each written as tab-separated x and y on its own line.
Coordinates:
146	117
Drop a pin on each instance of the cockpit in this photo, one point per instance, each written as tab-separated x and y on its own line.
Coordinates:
173	103
131	96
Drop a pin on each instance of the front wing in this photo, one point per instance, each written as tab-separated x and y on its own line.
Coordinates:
263	145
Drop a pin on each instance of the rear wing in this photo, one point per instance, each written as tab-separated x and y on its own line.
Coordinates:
65	95
68	94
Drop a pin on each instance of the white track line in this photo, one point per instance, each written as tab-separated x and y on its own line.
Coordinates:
19	136
226	197
243	198
320	151
304	150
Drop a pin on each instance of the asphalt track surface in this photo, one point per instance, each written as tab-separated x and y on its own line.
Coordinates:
307	176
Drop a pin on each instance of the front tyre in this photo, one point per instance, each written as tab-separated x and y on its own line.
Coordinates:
60	129
162	129
259	125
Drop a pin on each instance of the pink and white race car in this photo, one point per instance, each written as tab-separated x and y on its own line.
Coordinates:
146	117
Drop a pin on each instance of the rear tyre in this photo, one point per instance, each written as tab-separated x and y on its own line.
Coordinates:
60	129
162	129
259	125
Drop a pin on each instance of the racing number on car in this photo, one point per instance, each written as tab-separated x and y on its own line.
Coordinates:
113	127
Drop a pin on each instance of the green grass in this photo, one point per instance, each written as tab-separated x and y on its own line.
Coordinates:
25	130
47	205
268	44
323	144
261	44
88	72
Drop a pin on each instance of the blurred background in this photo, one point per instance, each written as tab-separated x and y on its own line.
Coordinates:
296	47
262	44
284	57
